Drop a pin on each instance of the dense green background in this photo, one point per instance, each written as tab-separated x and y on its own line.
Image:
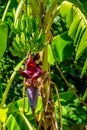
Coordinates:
72	110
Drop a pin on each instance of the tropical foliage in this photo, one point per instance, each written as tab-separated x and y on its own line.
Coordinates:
46	43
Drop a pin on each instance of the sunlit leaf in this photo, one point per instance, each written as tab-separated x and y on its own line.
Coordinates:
82	45
82	4
66	11
3	114
3	38
79	32
75	23
17	121
18	106
77	26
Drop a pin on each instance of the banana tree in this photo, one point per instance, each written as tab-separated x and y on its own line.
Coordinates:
33	40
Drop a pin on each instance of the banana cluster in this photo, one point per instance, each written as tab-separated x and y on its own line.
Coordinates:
28	37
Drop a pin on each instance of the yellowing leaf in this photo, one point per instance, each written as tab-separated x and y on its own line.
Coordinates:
3	115
39	116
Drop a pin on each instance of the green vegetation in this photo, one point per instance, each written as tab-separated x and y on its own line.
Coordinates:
45	42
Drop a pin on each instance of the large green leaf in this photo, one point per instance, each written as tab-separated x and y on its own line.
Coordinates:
77	26
18	106
3	38
17	121
62	47
82	4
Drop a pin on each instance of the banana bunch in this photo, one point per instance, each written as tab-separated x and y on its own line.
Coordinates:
27	36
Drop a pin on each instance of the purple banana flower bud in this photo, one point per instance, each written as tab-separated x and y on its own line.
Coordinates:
32	73
32	96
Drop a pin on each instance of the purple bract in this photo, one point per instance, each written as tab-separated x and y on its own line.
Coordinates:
32	72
